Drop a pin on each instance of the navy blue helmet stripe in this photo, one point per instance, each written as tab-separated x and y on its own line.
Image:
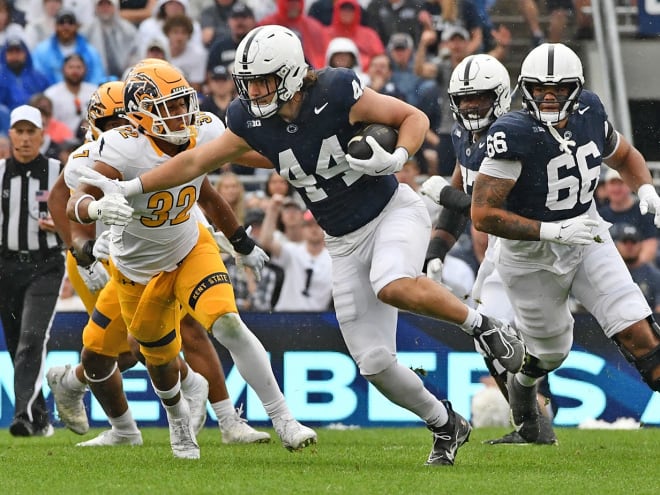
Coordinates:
551	60
466	74
248	42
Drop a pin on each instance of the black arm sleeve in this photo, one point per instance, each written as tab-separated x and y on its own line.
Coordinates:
456	200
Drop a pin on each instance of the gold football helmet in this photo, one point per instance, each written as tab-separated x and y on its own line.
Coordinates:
107	101
148	89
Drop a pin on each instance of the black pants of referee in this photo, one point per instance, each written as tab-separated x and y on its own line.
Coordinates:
29	288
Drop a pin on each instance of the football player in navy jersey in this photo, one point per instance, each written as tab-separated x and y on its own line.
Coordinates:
377	230
535	190
479	92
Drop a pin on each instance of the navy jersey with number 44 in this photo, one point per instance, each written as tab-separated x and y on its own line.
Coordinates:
553	185
310	153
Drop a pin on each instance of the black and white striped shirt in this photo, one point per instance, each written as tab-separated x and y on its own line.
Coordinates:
25	188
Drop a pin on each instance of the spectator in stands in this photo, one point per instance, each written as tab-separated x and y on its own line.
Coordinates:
291	14
387	17
221	91
49	55
322	10
157	46
400	50
8	28
56	131
346	23
18	78
559	12
623	207
231	189
215	19
380	77
438	152
342	52
112	36
5	147
186	54
71	95
153	26
136	11
250	294
41	24
223	50
628	240
307	265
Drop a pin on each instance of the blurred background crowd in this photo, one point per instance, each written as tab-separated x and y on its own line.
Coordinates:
55	53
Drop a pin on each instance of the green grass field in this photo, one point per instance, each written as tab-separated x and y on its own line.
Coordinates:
367	461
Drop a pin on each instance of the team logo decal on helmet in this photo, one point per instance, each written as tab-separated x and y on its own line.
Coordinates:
148	90
106	102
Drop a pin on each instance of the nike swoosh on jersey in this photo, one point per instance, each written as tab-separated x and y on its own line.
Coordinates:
318	110
582	110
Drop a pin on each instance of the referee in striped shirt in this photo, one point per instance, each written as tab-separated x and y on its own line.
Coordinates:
31	267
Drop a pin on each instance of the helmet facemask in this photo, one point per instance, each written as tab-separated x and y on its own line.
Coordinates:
260	107
567	104
148	92
475	117
159	112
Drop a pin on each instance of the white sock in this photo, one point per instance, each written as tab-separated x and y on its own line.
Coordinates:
252	362
124	423
473	320
71	382
223	409
179	410
191	380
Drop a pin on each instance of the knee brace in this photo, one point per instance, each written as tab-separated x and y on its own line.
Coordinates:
376	361
532	367
647	363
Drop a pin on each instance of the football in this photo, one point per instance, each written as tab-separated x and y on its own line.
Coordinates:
384	135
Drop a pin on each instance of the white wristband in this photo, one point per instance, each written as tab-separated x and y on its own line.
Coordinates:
75	207
549	231
132	187
646	191
401	156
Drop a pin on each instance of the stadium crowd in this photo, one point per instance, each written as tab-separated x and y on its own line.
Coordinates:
55	53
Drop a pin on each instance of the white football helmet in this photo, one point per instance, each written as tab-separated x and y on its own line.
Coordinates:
474	75
551	64
264	51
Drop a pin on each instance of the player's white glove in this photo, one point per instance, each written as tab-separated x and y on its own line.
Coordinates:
433	187
649	202
110	186
574	231
255	260
95	276
434	270
101	250
111	209
381	162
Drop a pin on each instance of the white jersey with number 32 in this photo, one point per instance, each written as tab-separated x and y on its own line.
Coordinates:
163	230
